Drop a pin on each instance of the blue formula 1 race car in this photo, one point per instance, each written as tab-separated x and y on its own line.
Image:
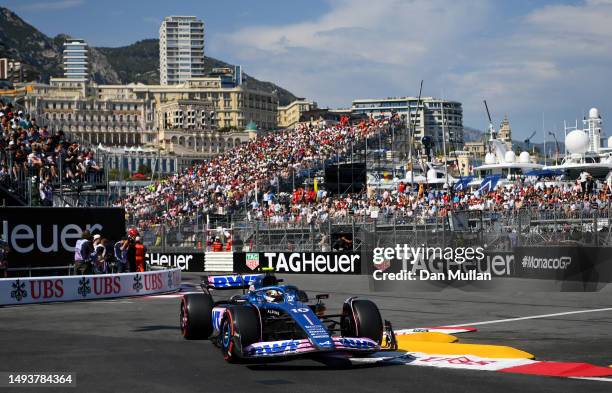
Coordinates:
269	321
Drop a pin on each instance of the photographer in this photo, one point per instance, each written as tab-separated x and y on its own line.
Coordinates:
82	254
98	257
120	251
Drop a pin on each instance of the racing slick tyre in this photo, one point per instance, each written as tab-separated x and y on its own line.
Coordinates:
240	327
196	316
361	318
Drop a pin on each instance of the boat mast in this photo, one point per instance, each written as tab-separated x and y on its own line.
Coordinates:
411	132
444	140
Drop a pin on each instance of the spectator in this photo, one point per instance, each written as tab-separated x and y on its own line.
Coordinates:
46	193
82	254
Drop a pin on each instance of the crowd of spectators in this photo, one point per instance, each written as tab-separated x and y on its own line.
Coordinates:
307	206
246	176
30	150
238	176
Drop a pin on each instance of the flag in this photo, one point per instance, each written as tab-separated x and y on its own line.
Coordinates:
316	187
461	185
488	184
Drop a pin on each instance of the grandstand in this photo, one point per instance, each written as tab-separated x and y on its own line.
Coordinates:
41	166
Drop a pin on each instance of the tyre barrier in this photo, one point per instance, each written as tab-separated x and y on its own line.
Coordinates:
69	288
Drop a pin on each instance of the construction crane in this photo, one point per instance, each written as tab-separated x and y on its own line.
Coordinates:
528	141
491	129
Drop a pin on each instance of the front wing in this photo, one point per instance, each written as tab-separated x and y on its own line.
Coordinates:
286	348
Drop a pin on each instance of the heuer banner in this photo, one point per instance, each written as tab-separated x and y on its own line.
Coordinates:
575	263
47	236
68	288
299	262
187	262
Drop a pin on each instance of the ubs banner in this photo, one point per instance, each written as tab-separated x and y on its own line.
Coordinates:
585	264
46	236
187	262
299	262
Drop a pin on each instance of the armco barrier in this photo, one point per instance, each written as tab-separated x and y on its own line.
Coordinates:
219	261
68	288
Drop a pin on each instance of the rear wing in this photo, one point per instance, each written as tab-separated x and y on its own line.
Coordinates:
230	281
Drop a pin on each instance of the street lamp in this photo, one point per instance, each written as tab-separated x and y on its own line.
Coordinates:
557	147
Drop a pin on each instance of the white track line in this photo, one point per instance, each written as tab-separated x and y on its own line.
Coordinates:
531	317
600	379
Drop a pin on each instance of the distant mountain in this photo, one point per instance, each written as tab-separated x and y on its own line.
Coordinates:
138	62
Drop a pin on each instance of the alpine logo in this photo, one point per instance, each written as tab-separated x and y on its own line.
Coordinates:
531	262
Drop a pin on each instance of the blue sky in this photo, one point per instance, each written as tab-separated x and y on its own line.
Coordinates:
530	59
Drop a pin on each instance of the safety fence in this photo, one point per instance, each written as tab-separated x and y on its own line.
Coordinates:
500	230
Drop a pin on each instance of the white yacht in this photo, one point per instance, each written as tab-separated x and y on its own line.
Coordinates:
584	152
502	162
430	173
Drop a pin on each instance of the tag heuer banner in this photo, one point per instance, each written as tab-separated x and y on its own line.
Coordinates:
299	262
187	262
46	236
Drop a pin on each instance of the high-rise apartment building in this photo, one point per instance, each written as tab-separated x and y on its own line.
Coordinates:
181	49
76	65
440	120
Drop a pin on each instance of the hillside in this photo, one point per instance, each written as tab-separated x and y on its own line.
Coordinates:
138	62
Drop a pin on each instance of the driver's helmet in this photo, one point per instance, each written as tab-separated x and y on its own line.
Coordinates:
273	296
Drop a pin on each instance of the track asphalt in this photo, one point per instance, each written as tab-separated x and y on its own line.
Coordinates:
134	344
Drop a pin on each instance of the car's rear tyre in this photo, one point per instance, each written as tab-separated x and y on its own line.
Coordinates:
196	316
361	318
240	327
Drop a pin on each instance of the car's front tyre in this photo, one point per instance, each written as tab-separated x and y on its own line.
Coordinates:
361	318
240	327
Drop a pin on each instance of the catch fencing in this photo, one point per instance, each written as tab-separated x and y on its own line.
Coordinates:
495	230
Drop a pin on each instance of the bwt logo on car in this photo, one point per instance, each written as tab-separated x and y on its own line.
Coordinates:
531	262
23	238
273	348
306	262
233	281
357	343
